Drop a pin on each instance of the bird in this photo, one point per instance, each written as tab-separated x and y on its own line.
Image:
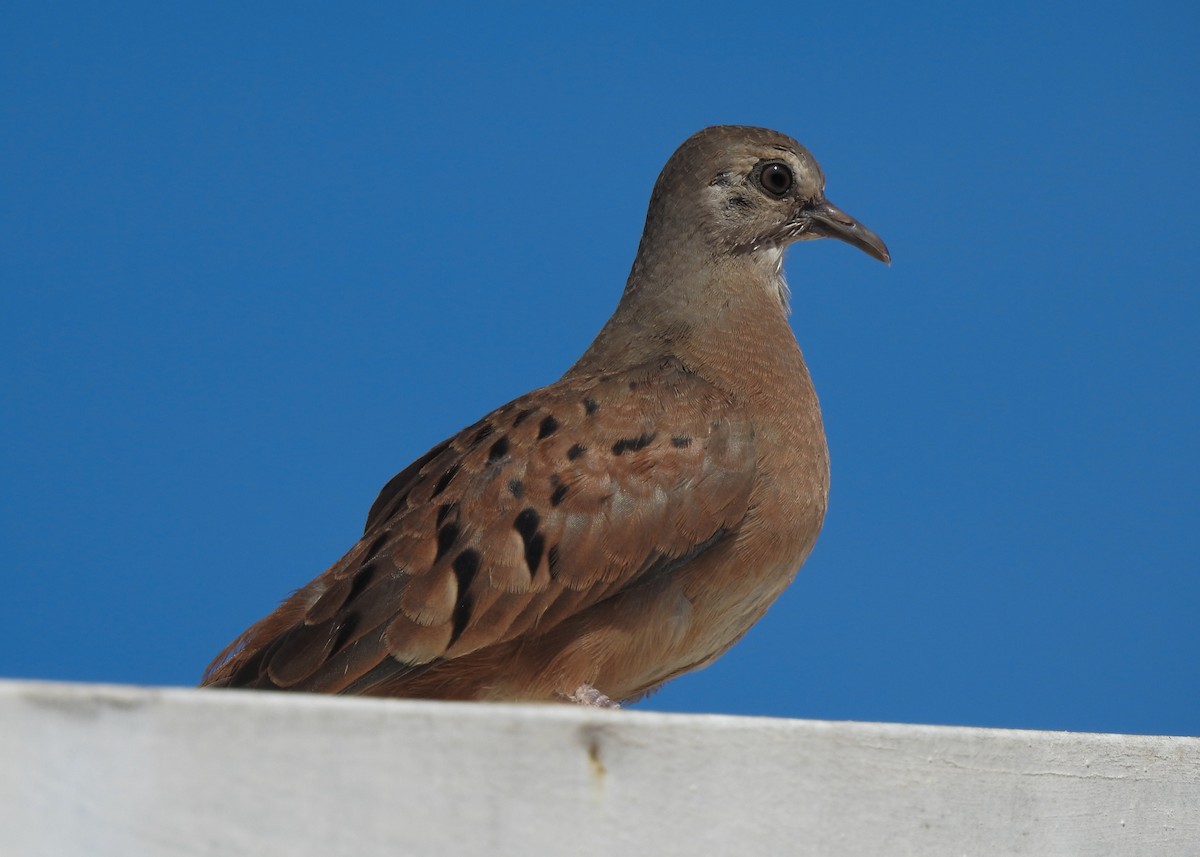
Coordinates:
597	537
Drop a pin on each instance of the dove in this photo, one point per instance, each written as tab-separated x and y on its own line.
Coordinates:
597	537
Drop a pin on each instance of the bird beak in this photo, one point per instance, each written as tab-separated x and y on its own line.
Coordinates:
828	221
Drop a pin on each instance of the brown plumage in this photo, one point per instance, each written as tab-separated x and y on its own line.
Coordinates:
628	523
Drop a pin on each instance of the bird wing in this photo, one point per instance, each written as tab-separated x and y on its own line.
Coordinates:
547	506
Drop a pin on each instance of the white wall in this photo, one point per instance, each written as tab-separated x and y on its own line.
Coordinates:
99	770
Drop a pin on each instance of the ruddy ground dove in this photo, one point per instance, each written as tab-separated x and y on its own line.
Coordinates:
595	538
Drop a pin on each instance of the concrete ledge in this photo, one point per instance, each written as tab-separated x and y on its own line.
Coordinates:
100	770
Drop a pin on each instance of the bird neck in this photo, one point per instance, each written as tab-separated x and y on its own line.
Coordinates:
725	318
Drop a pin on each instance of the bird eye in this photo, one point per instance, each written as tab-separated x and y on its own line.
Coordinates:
775	178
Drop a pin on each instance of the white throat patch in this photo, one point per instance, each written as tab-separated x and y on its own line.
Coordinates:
770	256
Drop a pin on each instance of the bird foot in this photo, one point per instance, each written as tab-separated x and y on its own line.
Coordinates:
587	695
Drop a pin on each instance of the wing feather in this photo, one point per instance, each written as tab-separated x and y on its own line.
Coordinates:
544	508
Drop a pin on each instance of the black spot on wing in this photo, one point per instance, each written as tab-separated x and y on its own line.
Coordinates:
526	524
363	578
444	511
466	566
446	478
547	427
633	444
498	450
377	544
446	537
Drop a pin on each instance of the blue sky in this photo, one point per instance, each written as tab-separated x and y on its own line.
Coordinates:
256	259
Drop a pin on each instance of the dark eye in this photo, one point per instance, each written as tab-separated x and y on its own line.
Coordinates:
775	179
